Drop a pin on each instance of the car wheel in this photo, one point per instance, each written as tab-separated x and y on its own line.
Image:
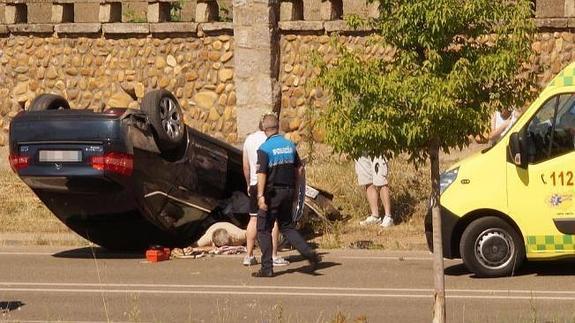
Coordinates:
166	117
48	102
490	247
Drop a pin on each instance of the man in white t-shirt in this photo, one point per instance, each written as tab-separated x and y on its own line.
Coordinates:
250	156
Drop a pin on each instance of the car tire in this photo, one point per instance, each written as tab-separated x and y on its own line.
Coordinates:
166	117
491	247
48	102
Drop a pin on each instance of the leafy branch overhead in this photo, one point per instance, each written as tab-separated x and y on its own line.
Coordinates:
455	62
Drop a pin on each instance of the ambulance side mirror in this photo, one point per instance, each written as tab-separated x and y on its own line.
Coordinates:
516	152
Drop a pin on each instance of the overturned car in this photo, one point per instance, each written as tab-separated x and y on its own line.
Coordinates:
126	178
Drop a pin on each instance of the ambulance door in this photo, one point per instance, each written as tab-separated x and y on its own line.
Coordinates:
541	195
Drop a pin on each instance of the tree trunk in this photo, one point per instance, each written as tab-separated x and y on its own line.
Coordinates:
438	276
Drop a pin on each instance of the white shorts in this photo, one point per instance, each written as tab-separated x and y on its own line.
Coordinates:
371	171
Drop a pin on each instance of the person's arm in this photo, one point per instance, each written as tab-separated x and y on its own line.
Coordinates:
262	177
246	168
299	170
497	131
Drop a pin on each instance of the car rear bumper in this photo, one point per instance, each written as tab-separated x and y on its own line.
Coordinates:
72	184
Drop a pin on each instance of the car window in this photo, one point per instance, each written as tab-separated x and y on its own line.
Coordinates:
551	131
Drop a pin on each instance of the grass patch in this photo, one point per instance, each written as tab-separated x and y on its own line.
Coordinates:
21	211
409	188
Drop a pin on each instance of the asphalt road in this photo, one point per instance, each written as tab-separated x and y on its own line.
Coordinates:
42	284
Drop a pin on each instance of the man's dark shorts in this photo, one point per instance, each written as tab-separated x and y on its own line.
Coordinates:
254	201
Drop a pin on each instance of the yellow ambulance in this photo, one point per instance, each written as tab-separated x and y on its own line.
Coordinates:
515	200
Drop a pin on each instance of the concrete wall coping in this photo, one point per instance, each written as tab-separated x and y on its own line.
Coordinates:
319	26
119	28
555	23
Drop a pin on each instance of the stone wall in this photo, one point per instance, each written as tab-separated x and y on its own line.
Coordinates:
116	72
301	99
103	53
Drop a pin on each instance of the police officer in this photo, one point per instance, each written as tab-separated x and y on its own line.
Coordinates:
279	169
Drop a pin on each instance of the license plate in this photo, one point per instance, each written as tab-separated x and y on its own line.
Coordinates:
311	192
66	156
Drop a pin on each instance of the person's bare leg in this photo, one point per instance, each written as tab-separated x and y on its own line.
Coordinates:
385	199
275	238
251	232
372	199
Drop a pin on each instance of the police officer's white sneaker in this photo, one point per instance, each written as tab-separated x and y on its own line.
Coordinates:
387	221
371	220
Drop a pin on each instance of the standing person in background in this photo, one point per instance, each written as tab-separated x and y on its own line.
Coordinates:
372	175
279	171
252	143
501	121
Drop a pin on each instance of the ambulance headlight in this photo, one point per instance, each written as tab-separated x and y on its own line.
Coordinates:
446	178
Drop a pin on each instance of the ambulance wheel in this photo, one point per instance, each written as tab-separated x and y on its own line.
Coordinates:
490	247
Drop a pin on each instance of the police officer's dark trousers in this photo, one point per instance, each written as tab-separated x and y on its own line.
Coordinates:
280	203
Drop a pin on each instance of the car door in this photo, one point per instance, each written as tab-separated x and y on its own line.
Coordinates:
541	196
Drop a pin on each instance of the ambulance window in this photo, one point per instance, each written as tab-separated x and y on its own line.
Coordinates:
551	131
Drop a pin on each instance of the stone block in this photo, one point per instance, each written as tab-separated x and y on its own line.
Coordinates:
291	10
252	37
78	28
355	7
87	12
249	62
256	14
301	25
158	11
2	13
311	10
331	9
569	8
32	28
188	11
110	12
174	27
16	13
207	11
550	9
135	12
39	12
4	30
62	12
123	28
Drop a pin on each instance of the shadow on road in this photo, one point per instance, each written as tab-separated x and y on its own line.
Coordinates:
306	269
9	306
563	267
100	253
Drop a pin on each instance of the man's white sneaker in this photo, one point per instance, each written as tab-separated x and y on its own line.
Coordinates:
371	220
387	222
249	261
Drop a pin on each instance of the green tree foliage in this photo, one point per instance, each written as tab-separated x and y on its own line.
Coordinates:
455	62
